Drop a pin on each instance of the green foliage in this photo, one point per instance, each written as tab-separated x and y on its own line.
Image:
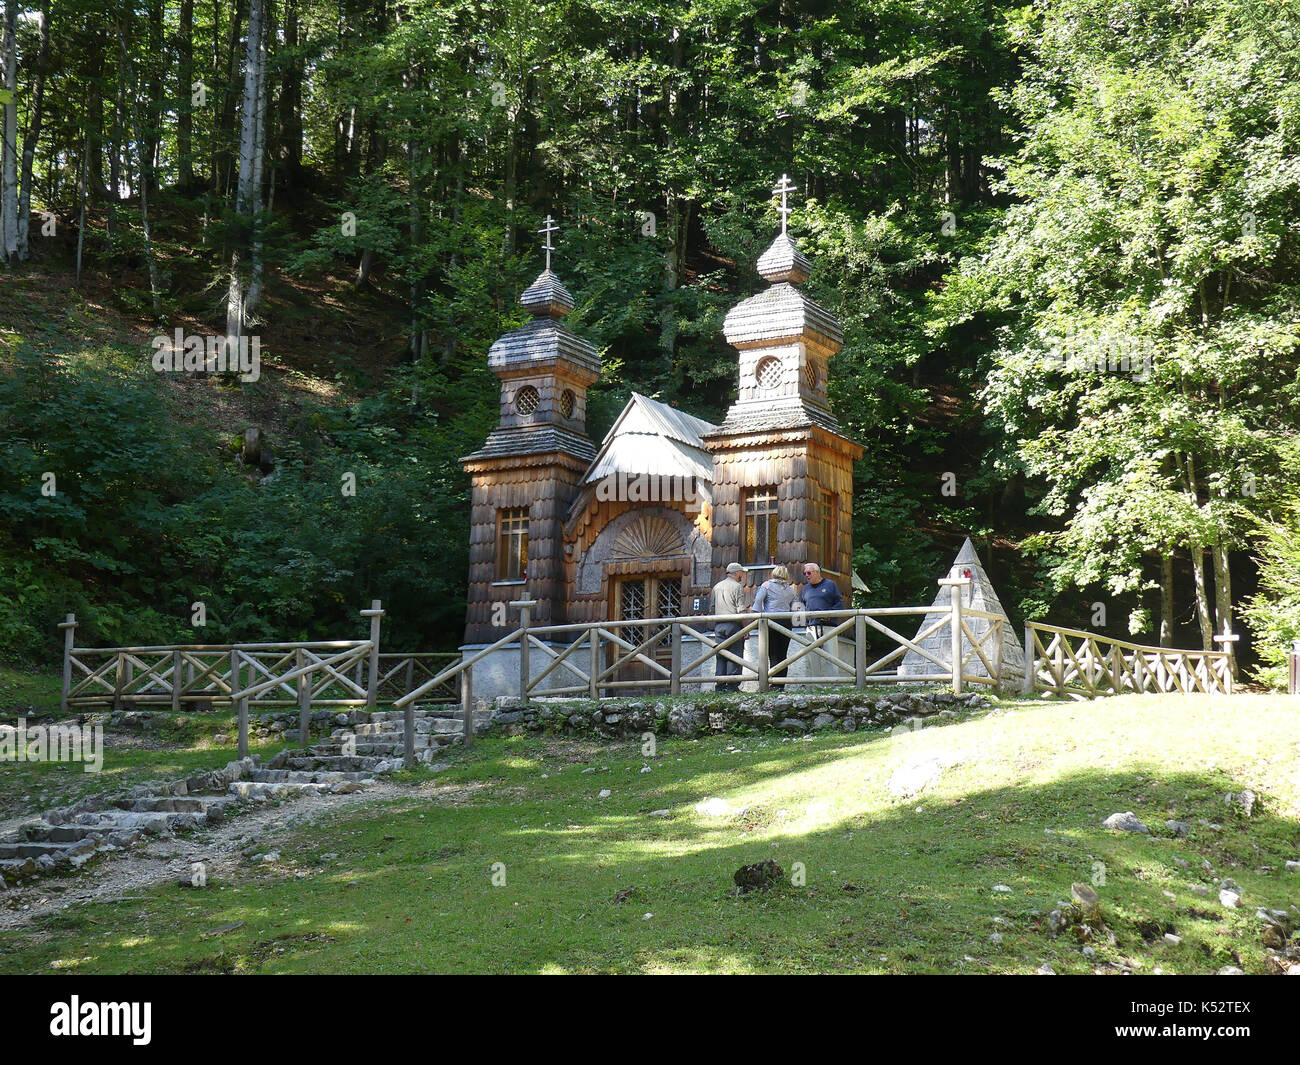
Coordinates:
148	517
1274	612
1143	286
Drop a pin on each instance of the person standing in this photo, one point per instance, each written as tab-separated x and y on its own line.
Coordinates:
818	594
729	598
776	596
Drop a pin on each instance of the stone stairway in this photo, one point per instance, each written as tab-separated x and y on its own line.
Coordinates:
67	838
383	737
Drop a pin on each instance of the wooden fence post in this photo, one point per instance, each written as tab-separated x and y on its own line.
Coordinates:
675	664
860	651
241	703
176	681
1228	642
956	584
525	674
119	679
409	683
375	614
1030	672
304	698
467	703
763	678
594	655
69	627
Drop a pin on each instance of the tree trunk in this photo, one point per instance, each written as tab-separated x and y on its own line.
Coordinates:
1187	471
248	194
140	149
81	213
95	125
33	134
1167	600
153	75
9	135
1202	598
224	134
185	108
1223	596
291	101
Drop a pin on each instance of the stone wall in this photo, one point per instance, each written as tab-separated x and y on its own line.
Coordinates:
795	714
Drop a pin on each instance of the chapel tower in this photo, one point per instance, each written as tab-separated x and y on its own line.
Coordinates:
782	470
528	471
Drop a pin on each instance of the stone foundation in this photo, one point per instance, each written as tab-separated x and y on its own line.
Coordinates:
686	716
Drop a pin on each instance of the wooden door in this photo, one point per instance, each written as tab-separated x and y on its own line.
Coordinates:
650	596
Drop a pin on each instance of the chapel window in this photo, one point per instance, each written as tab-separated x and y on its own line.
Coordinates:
828	523
512	544
760	527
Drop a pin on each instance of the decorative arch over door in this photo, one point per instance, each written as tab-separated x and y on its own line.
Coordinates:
658	536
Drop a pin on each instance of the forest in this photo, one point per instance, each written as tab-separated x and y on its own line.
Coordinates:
1063	238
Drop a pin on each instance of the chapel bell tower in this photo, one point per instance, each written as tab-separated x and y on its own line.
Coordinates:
527	472
782	470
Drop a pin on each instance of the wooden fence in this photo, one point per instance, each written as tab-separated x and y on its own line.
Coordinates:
309	675
1084	665
594	657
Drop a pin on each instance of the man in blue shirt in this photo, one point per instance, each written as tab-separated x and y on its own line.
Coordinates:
818	593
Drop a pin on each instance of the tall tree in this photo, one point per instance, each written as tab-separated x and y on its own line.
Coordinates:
245	257
33	135
9	133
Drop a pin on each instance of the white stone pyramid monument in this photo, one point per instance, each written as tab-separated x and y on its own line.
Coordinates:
979	595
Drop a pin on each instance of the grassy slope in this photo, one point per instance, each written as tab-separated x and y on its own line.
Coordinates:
411	887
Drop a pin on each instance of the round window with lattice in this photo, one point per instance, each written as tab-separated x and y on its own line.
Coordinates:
567	403
768	372
526	400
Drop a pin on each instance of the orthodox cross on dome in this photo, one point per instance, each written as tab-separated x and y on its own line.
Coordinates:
547	246
783	189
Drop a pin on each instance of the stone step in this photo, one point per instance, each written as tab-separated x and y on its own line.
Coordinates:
374	747
68	833
382	728
174	804
254	791
154	823
294	776
56	849
342	763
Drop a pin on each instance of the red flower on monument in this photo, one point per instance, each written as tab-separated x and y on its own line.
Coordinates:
966	573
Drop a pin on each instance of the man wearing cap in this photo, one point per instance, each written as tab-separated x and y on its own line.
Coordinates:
729	598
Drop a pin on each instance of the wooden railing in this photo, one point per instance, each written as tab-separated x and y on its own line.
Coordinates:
670	653
1084	665
401	673
308	675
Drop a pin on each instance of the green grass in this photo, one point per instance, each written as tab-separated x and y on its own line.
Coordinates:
179	745
23	693
411	888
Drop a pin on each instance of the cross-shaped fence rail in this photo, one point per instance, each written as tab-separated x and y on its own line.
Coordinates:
1084	665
